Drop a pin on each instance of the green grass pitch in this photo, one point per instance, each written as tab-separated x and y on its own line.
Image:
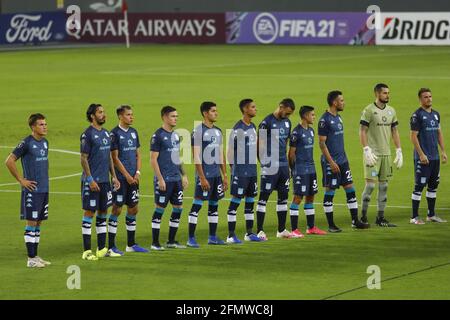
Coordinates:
62	83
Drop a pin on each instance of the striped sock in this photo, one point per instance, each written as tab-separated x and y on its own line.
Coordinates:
37	238
100	228
174	223
293	212
310	213
193	216
213	217
156	225
248	213
234	205
86	230
29	237
112	230
130	221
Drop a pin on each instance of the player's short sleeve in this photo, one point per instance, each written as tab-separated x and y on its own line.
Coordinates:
20	150
138	143
85	144
438	119
394	119
263	125
197	137
293	139
155	143
323	128
366	117
114	141
232	138
415	122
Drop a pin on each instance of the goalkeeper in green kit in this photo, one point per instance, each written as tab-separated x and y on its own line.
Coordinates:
378	124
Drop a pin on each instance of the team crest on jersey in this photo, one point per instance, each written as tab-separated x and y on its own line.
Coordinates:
384	119
310	140
133	135
281	130
105	141
432	123
130	142
340	126
42	152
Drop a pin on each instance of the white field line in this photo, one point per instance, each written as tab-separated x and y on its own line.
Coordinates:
286	61
225	199
53	178
296	76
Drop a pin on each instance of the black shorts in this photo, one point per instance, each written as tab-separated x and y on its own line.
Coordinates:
427	174
305	184
335	180
128	194
173	193
244	186
34	206
279	181
215	193
99	200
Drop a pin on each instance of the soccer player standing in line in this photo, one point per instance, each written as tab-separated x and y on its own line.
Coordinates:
301	161
33	152
335	167
378	125
276	127
211	173
426	136
242	149
96	161
126	154
170	179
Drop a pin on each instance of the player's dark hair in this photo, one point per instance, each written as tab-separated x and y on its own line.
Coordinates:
34	118
304	110
288	103
206	106
122	108
332	95
380	87
166	110
243	103
92	109
423	90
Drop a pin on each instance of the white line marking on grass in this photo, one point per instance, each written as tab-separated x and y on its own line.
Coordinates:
225	199
257	63
296	76
53	178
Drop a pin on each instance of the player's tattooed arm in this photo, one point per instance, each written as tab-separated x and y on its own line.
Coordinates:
87	172
184	178
415	142
154	163
442	146
291	157
199	169
137	176
11	165
119	165
223	169
326	153
115	181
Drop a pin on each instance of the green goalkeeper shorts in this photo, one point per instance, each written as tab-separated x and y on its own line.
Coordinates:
381	171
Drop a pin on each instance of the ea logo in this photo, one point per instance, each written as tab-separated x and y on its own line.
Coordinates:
265	27
340	126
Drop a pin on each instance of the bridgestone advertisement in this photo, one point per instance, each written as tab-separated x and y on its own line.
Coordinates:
414	28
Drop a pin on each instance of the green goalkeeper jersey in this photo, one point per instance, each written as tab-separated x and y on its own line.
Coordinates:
380	123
